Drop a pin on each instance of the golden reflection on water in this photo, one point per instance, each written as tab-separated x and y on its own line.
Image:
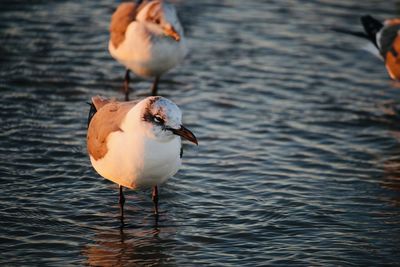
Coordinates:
127	246
392	177
391	165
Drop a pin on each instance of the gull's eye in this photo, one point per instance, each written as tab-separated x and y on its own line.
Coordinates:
158	119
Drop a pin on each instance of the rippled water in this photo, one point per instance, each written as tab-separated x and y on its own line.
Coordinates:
299	156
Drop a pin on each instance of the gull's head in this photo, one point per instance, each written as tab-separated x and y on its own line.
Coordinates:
162	119
161	18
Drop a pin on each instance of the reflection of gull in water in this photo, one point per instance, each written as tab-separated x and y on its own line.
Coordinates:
391	179
391	160
131	247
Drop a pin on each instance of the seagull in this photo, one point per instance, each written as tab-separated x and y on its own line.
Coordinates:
147	38
385	37
136	144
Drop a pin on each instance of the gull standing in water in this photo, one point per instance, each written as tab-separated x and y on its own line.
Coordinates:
384	38
147	38
136	144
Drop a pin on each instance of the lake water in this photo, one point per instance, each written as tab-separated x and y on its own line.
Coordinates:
298	160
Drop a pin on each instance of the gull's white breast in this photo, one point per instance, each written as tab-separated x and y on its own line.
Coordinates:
134	160
146	54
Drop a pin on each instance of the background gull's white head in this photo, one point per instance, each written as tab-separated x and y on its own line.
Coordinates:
161	18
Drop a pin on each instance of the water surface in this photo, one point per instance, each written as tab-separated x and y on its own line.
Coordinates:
299	155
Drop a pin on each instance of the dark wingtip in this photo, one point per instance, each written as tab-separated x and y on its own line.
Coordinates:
350	32
371	26
92	111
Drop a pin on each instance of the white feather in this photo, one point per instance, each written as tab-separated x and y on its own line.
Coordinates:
371	48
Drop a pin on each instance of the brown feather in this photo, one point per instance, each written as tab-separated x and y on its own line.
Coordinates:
392	59
120	20
392	22
99	102
107	120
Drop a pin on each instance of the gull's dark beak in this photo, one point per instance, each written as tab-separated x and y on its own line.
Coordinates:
185	133
171	32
